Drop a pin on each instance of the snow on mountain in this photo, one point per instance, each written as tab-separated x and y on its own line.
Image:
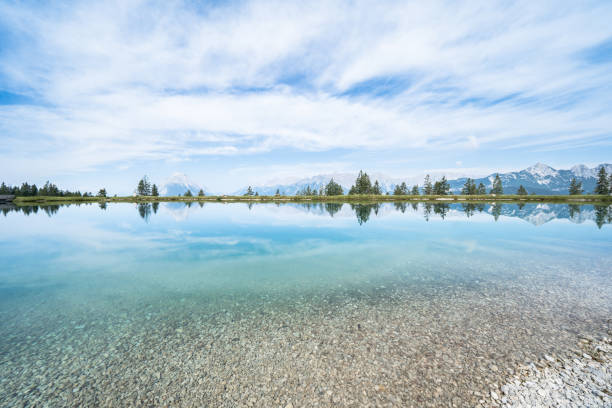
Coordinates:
540	179
541	170
178	184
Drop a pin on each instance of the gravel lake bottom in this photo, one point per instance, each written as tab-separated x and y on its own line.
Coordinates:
430	331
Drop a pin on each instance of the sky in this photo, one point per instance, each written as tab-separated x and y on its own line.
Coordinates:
234	93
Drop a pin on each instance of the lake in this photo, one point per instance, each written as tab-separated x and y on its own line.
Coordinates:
292	305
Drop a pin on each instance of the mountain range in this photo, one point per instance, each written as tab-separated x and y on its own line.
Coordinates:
539	179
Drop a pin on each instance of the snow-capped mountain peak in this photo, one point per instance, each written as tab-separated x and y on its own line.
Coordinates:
178	184
541	170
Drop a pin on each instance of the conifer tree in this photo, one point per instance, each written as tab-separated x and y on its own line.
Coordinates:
332	188
521	190
102	192
415	189
469	188
376	188
575	187
427	186
277	192
602	186
188	194
497	186
481	190
441	187
249	191
201	193
154	191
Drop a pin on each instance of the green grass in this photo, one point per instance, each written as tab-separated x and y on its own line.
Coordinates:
582	199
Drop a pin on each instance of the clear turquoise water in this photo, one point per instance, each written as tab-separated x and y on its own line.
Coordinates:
82	281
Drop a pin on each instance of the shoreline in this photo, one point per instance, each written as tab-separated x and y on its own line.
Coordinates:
560	199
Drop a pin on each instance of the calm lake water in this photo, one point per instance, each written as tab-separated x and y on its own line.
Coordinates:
266	305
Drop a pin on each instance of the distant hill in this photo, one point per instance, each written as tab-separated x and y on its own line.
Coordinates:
539	178
178	184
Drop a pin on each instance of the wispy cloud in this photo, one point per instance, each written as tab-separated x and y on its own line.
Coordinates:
112	82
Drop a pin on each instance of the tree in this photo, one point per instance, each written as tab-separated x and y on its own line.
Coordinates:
575	187
481	190
249	192
401	189
469	188
376	189
201	193
497	185
102	192
603	185
441	187
154	191
415	190
363	185
277	192
427	187
521	190
332	188
144	187
188	194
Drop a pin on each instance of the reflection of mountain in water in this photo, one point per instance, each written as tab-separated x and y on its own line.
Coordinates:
536	214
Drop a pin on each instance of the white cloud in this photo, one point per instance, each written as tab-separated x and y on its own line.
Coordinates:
120	81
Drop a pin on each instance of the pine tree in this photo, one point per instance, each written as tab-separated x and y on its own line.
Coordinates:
201	193
140	190
602	186
521	190
427	187
497	186
249	192
376	190
401	189
481	190
469	188
188	194
277	192
154	191
363	185
332	188
415	189
441	187
102	192
575	187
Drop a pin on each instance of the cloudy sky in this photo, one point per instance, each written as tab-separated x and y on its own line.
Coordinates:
235	93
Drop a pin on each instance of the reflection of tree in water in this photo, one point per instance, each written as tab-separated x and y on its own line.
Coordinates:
155	207
250	204
468	209
362	211
520	205
400	206
144	209
426	211
441	209
201	204
574	209
496	210
415	206
333	208
603	215
102	205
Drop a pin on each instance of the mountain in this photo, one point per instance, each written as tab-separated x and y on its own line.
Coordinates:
346	180
540	179
178	184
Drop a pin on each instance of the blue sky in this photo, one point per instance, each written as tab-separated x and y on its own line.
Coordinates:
233	93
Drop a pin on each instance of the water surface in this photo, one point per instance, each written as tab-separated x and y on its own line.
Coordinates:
266	304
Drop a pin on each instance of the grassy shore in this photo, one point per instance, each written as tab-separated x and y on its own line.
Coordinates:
582	199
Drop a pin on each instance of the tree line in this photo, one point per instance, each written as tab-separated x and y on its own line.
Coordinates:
47	190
